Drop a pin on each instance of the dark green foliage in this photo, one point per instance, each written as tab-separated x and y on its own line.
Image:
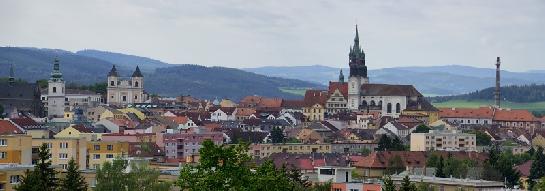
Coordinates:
395	165
439	171
422	129
433	160
1	112
387	144
514	93
537	170
388	184
229	168
143	178
110	176
277	135
482	138
73	180
406	185
502	164
43	176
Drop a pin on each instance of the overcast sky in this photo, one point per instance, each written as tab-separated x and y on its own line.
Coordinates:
256	33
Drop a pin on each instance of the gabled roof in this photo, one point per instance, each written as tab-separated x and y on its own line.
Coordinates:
25	122
293	104
137	72
472	113
8	128
82	129
389	90
313	97
517	115
226	110
380	159
341	86
524	168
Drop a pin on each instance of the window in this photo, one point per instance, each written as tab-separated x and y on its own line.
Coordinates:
3	142
327	171
63	145
3	155
135	84
96	156
96	166
54	89
49	145
110	147
97	147
124	98
64	166
63	156
112	83
135	97
109	156
398	108
389	108
14	179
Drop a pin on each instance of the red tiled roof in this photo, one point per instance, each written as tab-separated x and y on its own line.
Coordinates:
242	111
481	113
524	168
293	103
82	129
8	128
341	86
179	119
313	97
270	102
389	90
24	122
514	115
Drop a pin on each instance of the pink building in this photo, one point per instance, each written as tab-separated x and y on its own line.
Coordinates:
184	146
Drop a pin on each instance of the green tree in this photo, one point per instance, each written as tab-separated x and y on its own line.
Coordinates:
482	139
406	185
388	184
111	176
365	151
422	129
277	135
537	170
142	178
439	168
43	176
395	165
433	160
42	83
390	144
73	180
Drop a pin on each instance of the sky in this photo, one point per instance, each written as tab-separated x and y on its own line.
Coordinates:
254	33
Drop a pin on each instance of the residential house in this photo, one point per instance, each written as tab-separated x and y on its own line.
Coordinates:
314	108
223	114
62	150
468	116
338	98
11	175
398	129
516	118
102	151
184	146
265	150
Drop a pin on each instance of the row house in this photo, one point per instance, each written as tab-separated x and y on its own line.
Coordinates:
184	146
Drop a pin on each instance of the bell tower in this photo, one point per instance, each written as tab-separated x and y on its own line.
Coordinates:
55	92
358	73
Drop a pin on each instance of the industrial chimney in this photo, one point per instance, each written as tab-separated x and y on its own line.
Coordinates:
497	92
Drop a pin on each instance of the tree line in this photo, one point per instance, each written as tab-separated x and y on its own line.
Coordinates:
513	93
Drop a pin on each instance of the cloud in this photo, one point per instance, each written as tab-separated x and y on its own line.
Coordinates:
241	33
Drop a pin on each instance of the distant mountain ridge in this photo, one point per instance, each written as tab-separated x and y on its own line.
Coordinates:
91	66
432	80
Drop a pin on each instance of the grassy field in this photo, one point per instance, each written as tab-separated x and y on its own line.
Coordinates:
296	91
534	106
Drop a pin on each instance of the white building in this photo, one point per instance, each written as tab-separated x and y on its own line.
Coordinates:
123	91
55	91
398	129
447	140
223	114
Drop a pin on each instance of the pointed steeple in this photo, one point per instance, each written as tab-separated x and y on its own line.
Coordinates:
341	76
137	72
11	75
56	74
113	72
357	38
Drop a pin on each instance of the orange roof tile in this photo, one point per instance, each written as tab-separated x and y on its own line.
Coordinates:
315	97
483	112
341	86
514	115
7	128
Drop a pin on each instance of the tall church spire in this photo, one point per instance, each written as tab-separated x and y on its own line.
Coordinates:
357	58
357	38
56	74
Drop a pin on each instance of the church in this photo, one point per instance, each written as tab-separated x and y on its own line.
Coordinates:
125	91
388	99
17	96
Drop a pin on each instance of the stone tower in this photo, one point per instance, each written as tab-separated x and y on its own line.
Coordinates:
123	91
55	94
497	94
341	76
358	73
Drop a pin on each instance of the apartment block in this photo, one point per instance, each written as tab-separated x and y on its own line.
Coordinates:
62	150
265	150
102	151
447	140
16	149
11	175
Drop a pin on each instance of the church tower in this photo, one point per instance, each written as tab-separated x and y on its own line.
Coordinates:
138	83
341	76
358	73
55	93
11	80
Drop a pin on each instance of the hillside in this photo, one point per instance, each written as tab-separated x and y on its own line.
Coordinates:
447	80
123	60
520	94
90	66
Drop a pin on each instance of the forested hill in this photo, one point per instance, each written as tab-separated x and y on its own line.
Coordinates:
91	66
515	93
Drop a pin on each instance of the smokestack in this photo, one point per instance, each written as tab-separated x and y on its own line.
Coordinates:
497	92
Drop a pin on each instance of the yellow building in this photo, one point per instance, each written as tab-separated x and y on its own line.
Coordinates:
16	149
68	115
265	150
11	175
76	131
39	133
446	140
314	112
63	149
429	116
102	151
